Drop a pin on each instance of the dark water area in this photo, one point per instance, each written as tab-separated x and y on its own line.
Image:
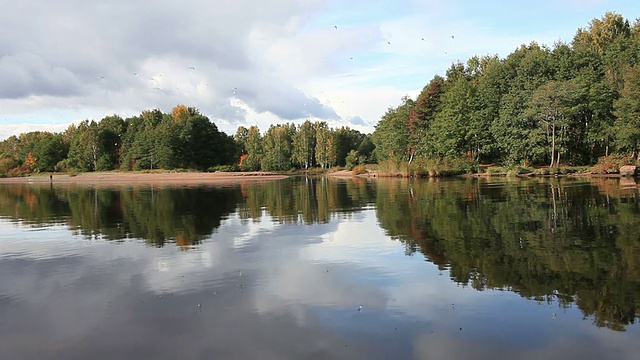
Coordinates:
316	268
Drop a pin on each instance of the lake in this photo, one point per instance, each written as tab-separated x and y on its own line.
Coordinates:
317	268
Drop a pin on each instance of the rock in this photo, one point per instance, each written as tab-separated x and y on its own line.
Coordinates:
629	170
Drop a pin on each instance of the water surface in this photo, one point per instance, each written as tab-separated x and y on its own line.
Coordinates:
321	268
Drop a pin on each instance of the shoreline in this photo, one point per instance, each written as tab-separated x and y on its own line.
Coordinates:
133	178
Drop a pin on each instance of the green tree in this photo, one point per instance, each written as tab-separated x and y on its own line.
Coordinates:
110	128
240	138
346	139
366	149
391	136
555	105
489	95
86	146
50	150
326	147
449	132
277	148
518	138
627	111
254	148
303	145
421	118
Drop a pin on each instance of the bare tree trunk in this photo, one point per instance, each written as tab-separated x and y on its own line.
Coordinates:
553	144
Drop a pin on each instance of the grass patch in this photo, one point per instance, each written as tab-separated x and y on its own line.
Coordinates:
224	168
496	170
436	167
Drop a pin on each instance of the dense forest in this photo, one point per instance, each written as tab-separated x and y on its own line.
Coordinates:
184	139
569	104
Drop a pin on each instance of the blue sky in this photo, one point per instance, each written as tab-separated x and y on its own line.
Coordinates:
254	62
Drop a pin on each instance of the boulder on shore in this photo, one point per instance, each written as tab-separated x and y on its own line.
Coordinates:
629	170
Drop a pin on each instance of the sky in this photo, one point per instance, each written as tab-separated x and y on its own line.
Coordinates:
250	62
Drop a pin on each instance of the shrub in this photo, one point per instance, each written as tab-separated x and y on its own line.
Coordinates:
359	169
611	164
519	170
542	171
224	168
392	168
352	160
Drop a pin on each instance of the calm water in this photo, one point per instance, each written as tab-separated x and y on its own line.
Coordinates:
322	268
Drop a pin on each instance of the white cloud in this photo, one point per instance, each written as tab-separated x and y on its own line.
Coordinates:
284	60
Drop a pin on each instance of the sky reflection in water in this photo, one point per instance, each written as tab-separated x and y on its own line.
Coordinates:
264	287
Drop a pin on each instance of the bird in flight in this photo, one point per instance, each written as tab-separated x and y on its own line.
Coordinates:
335	26
191	68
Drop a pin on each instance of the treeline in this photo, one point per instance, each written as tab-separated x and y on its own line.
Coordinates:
567	104
184	139
570	104
305	146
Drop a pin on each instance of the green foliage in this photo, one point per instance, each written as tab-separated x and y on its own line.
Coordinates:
277	148
391	136
565	105
366	149
346	140
253	148
326	146
627	111
495	170
437	167
433	167
393	168
519	170
352	159
304	145
224	168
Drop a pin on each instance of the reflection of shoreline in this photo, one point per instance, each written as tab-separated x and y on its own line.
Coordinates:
130	179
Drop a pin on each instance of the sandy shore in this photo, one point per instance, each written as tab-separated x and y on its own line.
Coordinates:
117	178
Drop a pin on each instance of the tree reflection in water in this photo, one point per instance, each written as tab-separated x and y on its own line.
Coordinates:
570	241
